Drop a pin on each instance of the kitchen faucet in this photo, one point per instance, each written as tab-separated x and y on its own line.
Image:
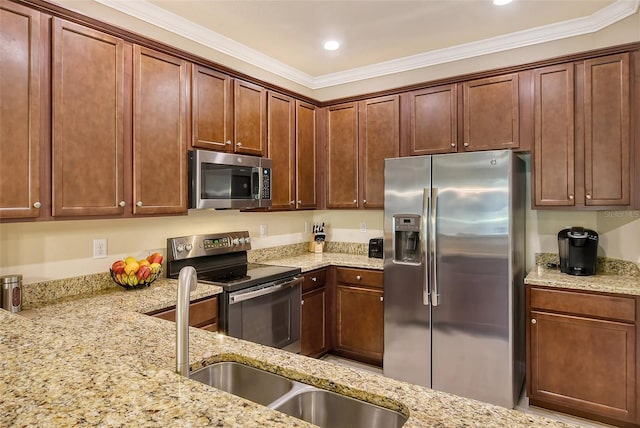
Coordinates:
187	282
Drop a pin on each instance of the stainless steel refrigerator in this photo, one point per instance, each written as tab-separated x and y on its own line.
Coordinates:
454	243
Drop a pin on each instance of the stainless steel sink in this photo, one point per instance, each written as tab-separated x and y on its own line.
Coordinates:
247	382
317	406
328	409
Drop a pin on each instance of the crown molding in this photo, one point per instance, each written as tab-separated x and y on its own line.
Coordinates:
148	12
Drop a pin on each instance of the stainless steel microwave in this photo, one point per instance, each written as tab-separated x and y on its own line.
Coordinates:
225	180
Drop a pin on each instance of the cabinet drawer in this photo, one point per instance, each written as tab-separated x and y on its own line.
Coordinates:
601	306
314	279
372	278
203	312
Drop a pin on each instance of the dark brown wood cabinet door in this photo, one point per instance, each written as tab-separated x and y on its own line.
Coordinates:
607	131
281	142
306	156
88	121
359	322
585	364
554	140
342	156
433	120
314	323
159	132
250	118
491	113
379	122
211	109
20	140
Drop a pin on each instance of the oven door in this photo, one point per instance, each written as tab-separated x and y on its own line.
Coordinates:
269	314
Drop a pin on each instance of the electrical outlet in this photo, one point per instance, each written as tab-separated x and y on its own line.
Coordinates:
100	248
363	227
263	230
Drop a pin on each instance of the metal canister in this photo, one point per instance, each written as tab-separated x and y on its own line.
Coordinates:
11	292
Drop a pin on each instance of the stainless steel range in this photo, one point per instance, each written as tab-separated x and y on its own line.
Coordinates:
260	303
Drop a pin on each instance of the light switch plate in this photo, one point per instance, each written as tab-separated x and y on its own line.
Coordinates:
100	248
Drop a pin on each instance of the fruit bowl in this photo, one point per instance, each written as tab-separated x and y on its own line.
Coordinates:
132	282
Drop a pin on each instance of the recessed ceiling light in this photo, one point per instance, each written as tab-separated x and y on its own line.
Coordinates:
331	45
501	2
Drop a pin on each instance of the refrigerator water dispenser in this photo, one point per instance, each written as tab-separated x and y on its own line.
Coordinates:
406	237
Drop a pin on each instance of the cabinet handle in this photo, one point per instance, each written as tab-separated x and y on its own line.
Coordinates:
364	201
382	298
238	144
355	201
588	196
139	203
466	144
571	197
533	321
37	204
299	201
453	144
228	142
291	202
358	277
314	279
302	303
122	203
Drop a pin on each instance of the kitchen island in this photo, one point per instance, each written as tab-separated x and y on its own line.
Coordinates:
98	360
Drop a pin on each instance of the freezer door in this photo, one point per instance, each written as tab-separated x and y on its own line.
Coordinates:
471	348
407	349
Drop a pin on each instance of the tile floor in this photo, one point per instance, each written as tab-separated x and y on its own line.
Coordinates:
523	405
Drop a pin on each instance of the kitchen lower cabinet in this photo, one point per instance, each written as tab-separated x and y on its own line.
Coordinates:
359	310
202	314
582	354
21	175
315	314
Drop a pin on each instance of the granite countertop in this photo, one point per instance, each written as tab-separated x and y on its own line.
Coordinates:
605	283
311	261
99	361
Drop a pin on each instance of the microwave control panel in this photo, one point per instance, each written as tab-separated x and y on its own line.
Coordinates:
266	183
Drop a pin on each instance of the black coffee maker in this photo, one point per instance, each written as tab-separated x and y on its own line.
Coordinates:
578	249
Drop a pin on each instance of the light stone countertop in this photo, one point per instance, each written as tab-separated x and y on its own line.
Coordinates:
311	261
604	283
99	361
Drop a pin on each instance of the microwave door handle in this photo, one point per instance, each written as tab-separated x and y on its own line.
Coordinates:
424	232
433	245
258	195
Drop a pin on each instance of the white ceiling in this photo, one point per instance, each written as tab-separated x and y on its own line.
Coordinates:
378	37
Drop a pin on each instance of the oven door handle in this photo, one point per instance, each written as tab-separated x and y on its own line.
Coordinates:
264	291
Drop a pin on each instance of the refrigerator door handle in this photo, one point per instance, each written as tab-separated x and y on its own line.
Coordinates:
424	229
433	268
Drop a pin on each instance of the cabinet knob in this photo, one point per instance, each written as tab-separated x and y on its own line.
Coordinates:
571	197
533	321
466	144
122	203
139	203
453	144
382	298
37	204
314	279
358	277
291	202
355	201
588	196
299	201
228	142
364	201
238	144
302	303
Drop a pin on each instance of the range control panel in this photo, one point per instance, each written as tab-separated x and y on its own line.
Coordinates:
188	247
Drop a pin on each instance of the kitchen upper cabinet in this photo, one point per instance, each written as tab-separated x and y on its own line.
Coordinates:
582	149
359	137
306	155
359	315
159	132
282	148
342	155
433	120
87	121
21	175
250	118
582	353
315	314
491	115
211	109
379	138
